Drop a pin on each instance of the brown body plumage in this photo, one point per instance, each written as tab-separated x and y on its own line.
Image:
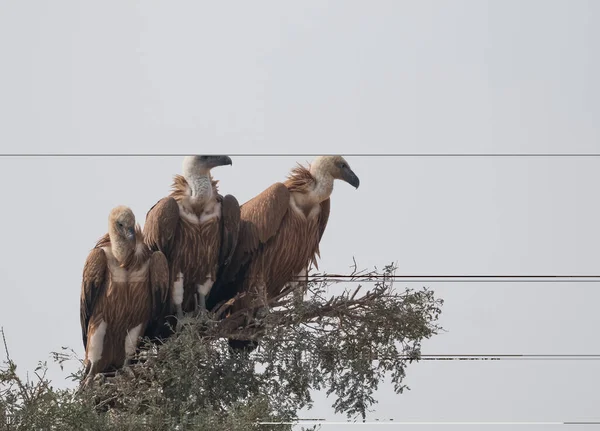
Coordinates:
280	231
196	229
125	286
294	245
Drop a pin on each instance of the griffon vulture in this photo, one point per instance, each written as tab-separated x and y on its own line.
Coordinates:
280	231
125	288
197	229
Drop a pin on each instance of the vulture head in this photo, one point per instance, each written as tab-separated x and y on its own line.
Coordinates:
121	231
201	165
121	224
336	167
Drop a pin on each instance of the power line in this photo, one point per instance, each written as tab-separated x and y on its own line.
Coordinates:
466	357
374	356
334	280
459	276
505	357
434	155
350	278
395	423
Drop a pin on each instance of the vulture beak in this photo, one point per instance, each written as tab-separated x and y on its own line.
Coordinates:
130	234
223	161
350	177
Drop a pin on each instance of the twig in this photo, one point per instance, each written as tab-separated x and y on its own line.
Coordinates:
5	345
13	375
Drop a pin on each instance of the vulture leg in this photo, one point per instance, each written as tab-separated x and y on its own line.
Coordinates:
202	302
200	305
87	381
88	369
263	310
128	371
202	291
179	310
299	286
177	295
131	344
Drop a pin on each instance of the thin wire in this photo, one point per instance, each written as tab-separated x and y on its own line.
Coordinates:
503	358
334	280
456	276
477	155
393	422
448	357
475	357
349	278
506	355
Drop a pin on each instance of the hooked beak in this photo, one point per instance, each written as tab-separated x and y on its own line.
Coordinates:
223	161
130	234
350	177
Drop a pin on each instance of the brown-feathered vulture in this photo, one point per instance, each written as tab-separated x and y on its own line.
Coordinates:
280	231
197	229
125	287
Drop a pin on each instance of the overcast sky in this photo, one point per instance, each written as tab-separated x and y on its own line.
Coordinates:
313	77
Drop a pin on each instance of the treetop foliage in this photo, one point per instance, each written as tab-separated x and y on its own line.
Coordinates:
342	341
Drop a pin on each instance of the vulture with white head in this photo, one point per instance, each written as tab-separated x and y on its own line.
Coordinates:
197	230
280	231
124	290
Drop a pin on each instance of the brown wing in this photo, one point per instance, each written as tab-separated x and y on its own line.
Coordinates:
230	226
162	222
323	217
159	283
261	217
93	284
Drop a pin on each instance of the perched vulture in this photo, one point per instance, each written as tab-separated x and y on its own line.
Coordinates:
197	229
125	288
280	231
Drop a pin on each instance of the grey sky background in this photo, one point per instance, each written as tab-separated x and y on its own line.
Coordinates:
328	77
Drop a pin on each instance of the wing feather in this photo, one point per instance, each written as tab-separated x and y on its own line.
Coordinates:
262	215
93	284
230	226
159	285
161	225
324	217
260	219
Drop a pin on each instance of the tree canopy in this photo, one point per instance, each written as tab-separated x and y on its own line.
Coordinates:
344	337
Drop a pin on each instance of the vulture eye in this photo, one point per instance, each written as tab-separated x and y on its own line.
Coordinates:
344	166
120	224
